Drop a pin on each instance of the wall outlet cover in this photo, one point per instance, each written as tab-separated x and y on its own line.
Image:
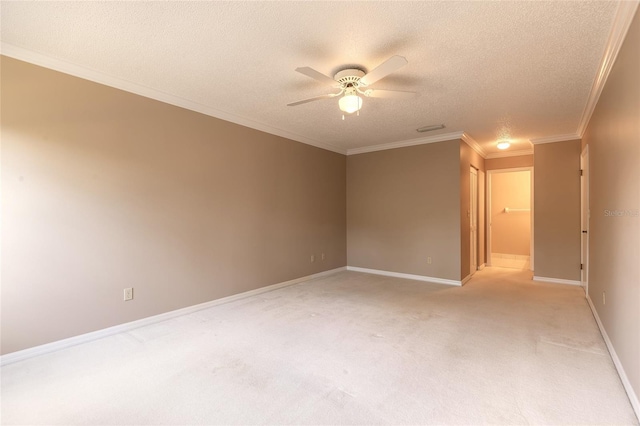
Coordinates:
128	293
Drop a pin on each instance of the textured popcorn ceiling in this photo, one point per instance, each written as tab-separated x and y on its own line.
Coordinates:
492	69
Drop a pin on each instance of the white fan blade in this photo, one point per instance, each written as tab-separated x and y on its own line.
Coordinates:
317	75
384	69
389	94
317	98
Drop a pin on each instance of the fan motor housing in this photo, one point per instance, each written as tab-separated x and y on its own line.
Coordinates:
349	77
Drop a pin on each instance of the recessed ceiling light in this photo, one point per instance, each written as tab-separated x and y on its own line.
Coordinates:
504	145
430	128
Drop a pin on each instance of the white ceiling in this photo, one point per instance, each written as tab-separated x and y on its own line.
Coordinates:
521	70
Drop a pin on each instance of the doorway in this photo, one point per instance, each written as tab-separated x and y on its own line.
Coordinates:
510	218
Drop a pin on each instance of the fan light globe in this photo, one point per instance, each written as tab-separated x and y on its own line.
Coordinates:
350	103
503	145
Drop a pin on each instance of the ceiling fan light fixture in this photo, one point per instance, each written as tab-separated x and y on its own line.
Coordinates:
352	82
503	144
350	103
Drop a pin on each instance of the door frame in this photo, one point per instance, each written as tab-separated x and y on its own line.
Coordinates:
473	221
585	215
488	210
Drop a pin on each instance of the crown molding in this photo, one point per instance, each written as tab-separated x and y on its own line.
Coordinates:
409	142
624	16
473	144
507	153
66	67
556	138
422	141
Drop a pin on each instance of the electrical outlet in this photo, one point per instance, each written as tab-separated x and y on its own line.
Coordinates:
429	260
322	256
604	298
313	258
128	293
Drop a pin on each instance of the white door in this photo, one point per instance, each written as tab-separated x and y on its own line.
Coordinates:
473	217
584	219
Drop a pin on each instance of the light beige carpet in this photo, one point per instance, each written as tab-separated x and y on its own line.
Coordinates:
351	348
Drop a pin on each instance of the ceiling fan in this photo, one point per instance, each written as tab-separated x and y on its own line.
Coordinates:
353	82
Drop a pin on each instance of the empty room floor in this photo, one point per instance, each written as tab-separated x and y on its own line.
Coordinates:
350	348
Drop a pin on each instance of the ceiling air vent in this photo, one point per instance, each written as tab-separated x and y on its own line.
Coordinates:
430	128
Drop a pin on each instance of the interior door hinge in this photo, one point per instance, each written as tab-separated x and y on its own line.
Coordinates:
581	266
581	171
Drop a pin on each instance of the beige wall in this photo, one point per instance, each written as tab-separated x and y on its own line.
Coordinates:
613	138
103	189
557	210
468	158
509	162
511	232
402	207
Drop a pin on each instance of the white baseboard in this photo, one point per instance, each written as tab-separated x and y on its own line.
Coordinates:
557	280
633	398
98	334
510	256
467	278
406	276
481	267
